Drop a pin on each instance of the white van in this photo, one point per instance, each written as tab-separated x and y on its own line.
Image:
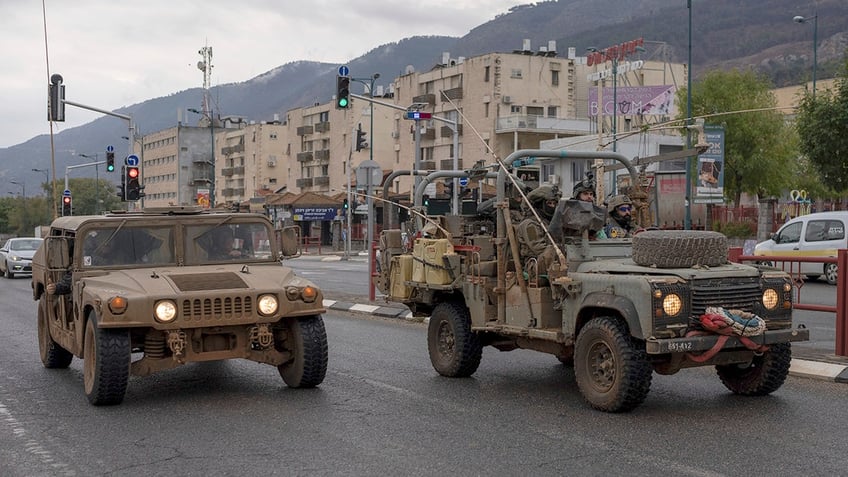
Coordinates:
812	235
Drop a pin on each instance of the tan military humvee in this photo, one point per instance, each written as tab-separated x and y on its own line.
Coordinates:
174	285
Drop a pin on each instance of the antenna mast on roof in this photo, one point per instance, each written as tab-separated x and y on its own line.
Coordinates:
205	65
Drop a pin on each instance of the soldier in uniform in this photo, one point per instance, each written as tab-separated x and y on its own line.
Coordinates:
620	224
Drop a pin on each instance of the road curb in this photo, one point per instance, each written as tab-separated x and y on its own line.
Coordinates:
818	370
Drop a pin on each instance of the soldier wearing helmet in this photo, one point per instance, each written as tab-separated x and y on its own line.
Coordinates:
620	223
544	199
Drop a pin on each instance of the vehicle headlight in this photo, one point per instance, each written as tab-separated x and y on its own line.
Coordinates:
268	304
14	258
770	298
165	311
672	304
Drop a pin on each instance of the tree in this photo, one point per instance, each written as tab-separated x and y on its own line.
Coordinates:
822	124
86	191
759	148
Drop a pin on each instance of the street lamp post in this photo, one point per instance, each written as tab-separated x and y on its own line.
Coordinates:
23	188
96	182
369	199
46	183
687	221
815	19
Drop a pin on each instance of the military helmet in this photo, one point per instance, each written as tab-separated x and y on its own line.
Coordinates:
587	185
616	201
544	199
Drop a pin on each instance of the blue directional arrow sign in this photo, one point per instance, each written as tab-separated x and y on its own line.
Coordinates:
463	181
67	193
344	70
110	149
132	160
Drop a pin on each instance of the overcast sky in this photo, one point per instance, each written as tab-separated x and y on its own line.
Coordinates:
115	53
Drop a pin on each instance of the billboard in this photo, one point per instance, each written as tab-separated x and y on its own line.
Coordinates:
634	100
710	172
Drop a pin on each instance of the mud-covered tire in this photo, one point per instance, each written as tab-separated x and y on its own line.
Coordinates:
455	350
831	273
52	355
764	375
679	248
611	367
106	363
306	340
8	273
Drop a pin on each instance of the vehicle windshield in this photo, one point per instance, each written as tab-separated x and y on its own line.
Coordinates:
227	242
128	246
24	245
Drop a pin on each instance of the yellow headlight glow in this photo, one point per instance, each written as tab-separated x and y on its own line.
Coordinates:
165	311
268	304
672	304
770	298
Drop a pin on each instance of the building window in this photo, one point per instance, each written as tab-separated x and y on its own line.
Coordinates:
273	135
515	73
535	110
486	109
515	109
554	78
486	74
552	111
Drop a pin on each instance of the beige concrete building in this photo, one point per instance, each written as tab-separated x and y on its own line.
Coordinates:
500	102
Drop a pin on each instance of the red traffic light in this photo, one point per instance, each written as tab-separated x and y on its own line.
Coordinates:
132	172
66	200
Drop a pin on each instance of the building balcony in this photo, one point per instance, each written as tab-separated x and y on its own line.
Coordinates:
322	155
428	165
323	126
304	156
543	124
429	134
321	181
238	171
447	165
453	93
304	182
425	98
236	148
227	171
227	192
446	131
200	178
304	130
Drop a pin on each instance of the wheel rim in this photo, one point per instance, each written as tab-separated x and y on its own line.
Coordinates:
830	272
601	366
447	340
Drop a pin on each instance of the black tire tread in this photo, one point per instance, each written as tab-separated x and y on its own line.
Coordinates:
112	368
679	248
468	350
309	366
765	375
634	380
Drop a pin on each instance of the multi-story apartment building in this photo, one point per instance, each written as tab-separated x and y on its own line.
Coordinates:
498	102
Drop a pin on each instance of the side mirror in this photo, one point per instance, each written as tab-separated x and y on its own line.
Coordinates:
288	239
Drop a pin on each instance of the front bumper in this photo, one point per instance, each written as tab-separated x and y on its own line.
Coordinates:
19	266
705	342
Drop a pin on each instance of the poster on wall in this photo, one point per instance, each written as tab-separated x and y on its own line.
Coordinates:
710	173
203	198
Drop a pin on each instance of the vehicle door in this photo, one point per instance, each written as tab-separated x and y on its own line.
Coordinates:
822	238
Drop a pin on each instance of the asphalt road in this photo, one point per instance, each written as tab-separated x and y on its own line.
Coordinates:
382	410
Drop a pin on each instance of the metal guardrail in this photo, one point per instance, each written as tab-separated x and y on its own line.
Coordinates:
841	308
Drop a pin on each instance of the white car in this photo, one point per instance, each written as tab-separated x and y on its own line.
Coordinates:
812	235
16	255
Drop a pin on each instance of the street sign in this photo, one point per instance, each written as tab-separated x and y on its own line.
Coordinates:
132	160
67	192
344	70
463	181
110	149
416	115
366	169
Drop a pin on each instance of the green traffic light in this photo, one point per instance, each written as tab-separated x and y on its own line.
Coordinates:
343	102
110	168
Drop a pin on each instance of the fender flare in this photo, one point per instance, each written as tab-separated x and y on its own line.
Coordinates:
621	305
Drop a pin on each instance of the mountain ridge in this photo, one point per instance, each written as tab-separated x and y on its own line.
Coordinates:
758	35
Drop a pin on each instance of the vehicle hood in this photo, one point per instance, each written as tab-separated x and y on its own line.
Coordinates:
763	247
171	281
27	254
626	266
